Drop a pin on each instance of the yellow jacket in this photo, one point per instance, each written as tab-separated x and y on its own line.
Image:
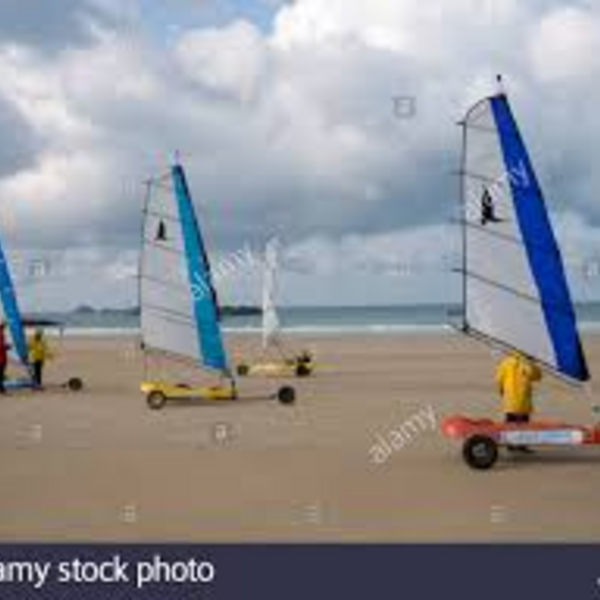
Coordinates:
39	350
515	378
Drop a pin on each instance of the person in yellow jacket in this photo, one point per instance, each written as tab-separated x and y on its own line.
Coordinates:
516	376
39	353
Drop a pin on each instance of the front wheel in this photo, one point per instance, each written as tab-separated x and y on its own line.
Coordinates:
156	400
480	452
75	384
286	395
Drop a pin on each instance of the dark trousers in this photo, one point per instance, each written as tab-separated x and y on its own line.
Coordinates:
2	377
516	418
38	372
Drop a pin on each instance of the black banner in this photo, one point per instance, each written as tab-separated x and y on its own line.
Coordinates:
300	572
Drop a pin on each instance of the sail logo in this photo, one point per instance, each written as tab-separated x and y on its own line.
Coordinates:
403	435
517	177
161	232
229	266
488	209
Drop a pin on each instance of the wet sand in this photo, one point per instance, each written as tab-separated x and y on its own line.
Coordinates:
100	466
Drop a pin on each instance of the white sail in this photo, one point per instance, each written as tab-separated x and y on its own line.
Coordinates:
270	319
179	309
515	289
167	314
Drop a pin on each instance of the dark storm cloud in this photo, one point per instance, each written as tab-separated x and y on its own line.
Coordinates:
300	140
18	143
48	24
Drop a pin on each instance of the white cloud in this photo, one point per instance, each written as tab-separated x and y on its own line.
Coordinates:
566	45
292	131
65	279
228	61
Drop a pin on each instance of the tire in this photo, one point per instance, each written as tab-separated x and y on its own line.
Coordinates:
243	370
156	400
286	395
75	384
480	452
302	370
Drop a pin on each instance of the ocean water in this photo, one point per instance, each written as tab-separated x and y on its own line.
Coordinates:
370	319
317	320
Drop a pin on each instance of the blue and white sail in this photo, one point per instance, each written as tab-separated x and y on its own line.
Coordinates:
179	305
515	288
270	318
11	314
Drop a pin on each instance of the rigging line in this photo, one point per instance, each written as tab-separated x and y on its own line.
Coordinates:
489	340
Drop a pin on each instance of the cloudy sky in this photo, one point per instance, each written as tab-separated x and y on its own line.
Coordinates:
329	123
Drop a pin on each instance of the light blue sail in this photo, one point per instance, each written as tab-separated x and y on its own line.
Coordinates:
204	297
12	313
540	246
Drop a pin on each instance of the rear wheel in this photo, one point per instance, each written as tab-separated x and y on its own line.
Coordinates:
75	384
156	400
243	370
286	395
480	452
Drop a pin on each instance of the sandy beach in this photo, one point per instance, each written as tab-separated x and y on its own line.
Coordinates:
100	466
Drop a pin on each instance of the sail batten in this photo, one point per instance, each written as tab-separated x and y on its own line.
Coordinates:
508	238
515	285
176	316
566	309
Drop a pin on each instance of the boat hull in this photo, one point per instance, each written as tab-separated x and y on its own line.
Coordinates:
482	438
172	391
547	433
287	368
158	393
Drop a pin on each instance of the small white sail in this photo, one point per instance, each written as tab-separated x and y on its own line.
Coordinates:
270	319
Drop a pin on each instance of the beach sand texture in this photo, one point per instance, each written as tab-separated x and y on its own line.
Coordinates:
100	466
